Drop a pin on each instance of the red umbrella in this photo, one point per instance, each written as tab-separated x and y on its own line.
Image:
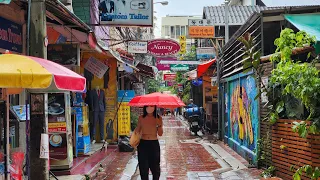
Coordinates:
157	99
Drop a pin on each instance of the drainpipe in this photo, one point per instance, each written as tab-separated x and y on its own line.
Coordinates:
226	19
28	28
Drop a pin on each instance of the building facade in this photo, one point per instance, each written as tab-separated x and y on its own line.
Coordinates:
174	26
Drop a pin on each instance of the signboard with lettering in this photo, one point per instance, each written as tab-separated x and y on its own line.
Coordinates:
137	47
10	35
179	67
169	77
201	31
206	53
124	124
163	47
164	67
126	12
96	67
183	44
200	22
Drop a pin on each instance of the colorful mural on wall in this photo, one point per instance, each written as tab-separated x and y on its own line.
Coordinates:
242	115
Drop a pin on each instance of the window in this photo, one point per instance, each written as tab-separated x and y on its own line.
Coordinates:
172	33
183	30
187	31
177	31
166	31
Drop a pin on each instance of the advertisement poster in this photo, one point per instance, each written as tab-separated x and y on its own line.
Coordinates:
64	54
124	124
126	12
169	77
56	108
137	47
58	146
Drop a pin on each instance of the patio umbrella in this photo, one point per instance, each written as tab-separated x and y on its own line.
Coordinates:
17	72
157	99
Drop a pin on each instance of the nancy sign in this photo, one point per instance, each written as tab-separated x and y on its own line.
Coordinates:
137	47
10	35
126	12
163	47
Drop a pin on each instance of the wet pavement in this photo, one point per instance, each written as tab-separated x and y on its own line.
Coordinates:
178	156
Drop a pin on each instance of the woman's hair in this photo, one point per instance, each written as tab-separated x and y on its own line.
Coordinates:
145	113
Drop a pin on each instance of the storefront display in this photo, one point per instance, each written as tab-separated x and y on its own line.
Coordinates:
60	134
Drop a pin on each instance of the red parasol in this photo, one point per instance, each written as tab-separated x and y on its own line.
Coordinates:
157	99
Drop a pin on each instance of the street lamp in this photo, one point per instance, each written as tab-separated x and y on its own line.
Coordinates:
164	3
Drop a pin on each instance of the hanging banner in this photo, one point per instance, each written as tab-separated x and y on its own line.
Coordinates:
126	12
201	32
137	47
96	67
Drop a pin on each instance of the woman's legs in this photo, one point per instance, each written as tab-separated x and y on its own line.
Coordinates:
154	160
143	160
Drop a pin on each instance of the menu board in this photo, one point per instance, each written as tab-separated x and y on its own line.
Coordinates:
124	119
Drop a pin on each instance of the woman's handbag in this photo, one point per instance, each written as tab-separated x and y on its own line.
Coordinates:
135	139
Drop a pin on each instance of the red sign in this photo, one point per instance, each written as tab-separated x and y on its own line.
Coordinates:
169	77
163	47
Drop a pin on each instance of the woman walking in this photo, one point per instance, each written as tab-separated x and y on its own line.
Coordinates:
150	126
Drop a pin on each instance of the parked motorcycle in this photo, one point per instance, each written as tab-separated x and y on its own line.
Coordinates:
194	115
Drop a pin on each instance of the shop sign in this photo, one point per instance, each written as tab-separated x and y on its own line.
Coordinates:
169	77
180	62
206	53
201	32
179	67
96	67
10	35
137	47
163	47
64	54
200	22
183	44
124	124
126	13
164	67
125	96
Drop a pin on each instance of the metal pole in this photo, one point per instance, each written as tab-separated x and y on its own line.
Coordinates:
226	21
39	168
7	153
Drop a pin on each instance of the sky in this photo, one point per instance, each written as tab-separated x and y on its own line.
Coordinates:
181	7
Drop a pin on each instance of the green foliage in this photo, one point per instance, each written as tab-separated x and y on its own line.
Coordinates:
190	55
134	120
153	85
270	172
309	171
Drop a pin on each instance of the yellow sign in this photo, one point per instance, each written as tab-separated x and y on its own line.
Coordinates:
124	123
182	38
56	125
183	44
201	31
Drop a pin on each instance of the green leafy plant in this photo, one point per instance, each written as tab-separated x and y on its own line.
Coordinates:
309	171
270	172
